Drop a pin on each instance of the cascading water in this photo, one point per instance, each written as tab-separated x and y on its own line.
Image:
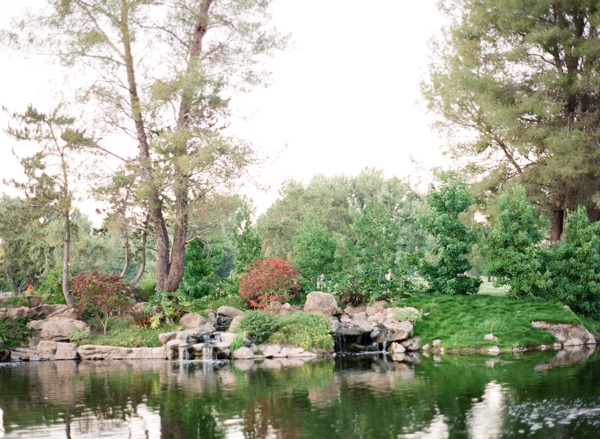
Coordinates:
184	353
207	351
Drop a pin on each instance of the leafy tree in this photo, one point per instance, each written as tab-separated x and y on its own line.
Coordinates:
23	249
575	265
452	239
164	72
268	280
247	238
103	292
202	260
513	248
54	171
315	254
515	86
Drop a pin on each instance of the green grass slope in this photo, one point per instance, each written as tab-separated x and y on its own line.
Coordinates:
463	321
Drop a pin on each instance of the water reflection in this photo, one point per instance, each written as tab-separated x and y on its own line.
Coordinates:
352	397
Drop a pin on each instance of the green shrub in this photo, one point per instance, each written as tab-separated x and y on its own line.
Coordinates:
51	288
299	328
123	333
15	302
146	287
410	315
261	325
80	337
14	332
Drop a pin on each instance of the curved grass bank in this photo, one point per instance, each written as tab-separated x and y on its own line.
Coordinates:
461	322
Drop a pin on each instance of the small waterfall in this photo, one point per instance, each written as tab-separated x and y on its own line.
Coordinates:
184	354
340	343
207	352
384	345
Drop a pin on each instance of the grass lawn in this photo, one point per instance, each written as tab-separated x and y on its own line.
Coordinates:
463	321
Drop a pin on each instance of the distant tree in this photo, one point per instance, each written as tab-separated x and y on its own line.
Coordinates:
246	237
513	248
447	274
54	172
201	264
315	254
24	253
515	87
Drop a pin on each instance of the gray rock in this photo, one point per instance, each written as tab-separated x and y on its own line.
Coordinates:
334	324
564	332
228	337
437	342
360	321
229	311
173	345
243	353
191	320
321	303
490	337
412	344
166	337
397	348
270	350
573	342
398	331
58	328
234	323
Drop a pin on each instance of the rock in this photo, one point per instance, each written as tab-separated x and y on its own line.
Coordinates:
243	354
270	350
228	337
212	318
65	351
318	302
166	337
234	323
573	342
494	350
437	342
198	347
360	321
253	348
557	345
285	308
377	308
207	328
564	332
191	320
11	313
412	344
283	353
397	348
4	355
353	310
345	318
57	328
93	352
426	347
274	306
334	324
229	311
398	331
296	352
490	337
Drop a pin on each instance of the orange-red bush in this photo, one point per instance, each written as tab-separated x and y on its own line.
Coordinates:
268	280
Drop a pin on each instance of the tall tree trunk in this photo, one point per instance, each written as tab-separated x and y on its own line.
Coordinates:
126	263
140	272
557	224
66	262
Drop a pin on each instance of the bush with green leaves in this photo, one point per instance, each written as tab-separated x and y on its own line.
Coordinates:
513	248
298	328
15	302
575	265
14	332
452	240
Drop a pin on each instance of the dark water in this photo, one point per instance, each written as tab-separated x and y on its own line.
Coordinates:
536	395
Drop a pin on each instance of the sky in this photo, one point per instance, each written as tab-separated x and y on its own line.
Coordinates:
344	97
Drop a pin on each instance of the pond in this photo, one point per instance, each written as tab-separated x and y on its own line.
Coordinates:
538	394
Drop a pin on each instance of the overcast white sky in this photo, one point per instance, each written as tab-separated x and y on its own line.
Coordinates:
344	98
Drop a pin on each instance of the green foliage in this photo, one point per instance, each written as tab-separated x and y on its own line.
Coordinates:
514	85
201	262
52	287
15	302
247	238
122	332
14	332
260	325
208	302
168	308
408	315
575	265
80	337
146	287
452	240
315	254
513	248
463	321
299	328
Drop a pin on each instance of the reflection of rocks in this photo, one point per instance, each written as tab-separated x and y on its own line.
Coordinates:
567	357
567	335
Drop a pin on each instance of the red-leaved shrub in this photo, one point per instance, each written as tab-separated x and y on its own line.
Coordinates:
103	292
268	280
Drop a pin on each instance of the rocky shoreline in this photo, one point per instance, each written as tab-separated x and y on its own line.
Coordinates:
361	329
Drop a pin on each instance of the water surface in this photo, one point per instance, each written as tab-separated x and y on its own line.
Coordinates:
533	395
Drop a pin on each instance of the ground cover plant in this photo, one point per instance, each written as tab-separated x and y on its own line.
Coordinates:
298	328
14	332
124	333
463	321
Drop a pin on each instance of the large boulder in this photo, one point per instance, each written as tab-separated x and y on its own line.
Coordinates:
47	311
243	354
93	352
191	320
564	333
318	302
229	311
398	331
57	328
52	350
